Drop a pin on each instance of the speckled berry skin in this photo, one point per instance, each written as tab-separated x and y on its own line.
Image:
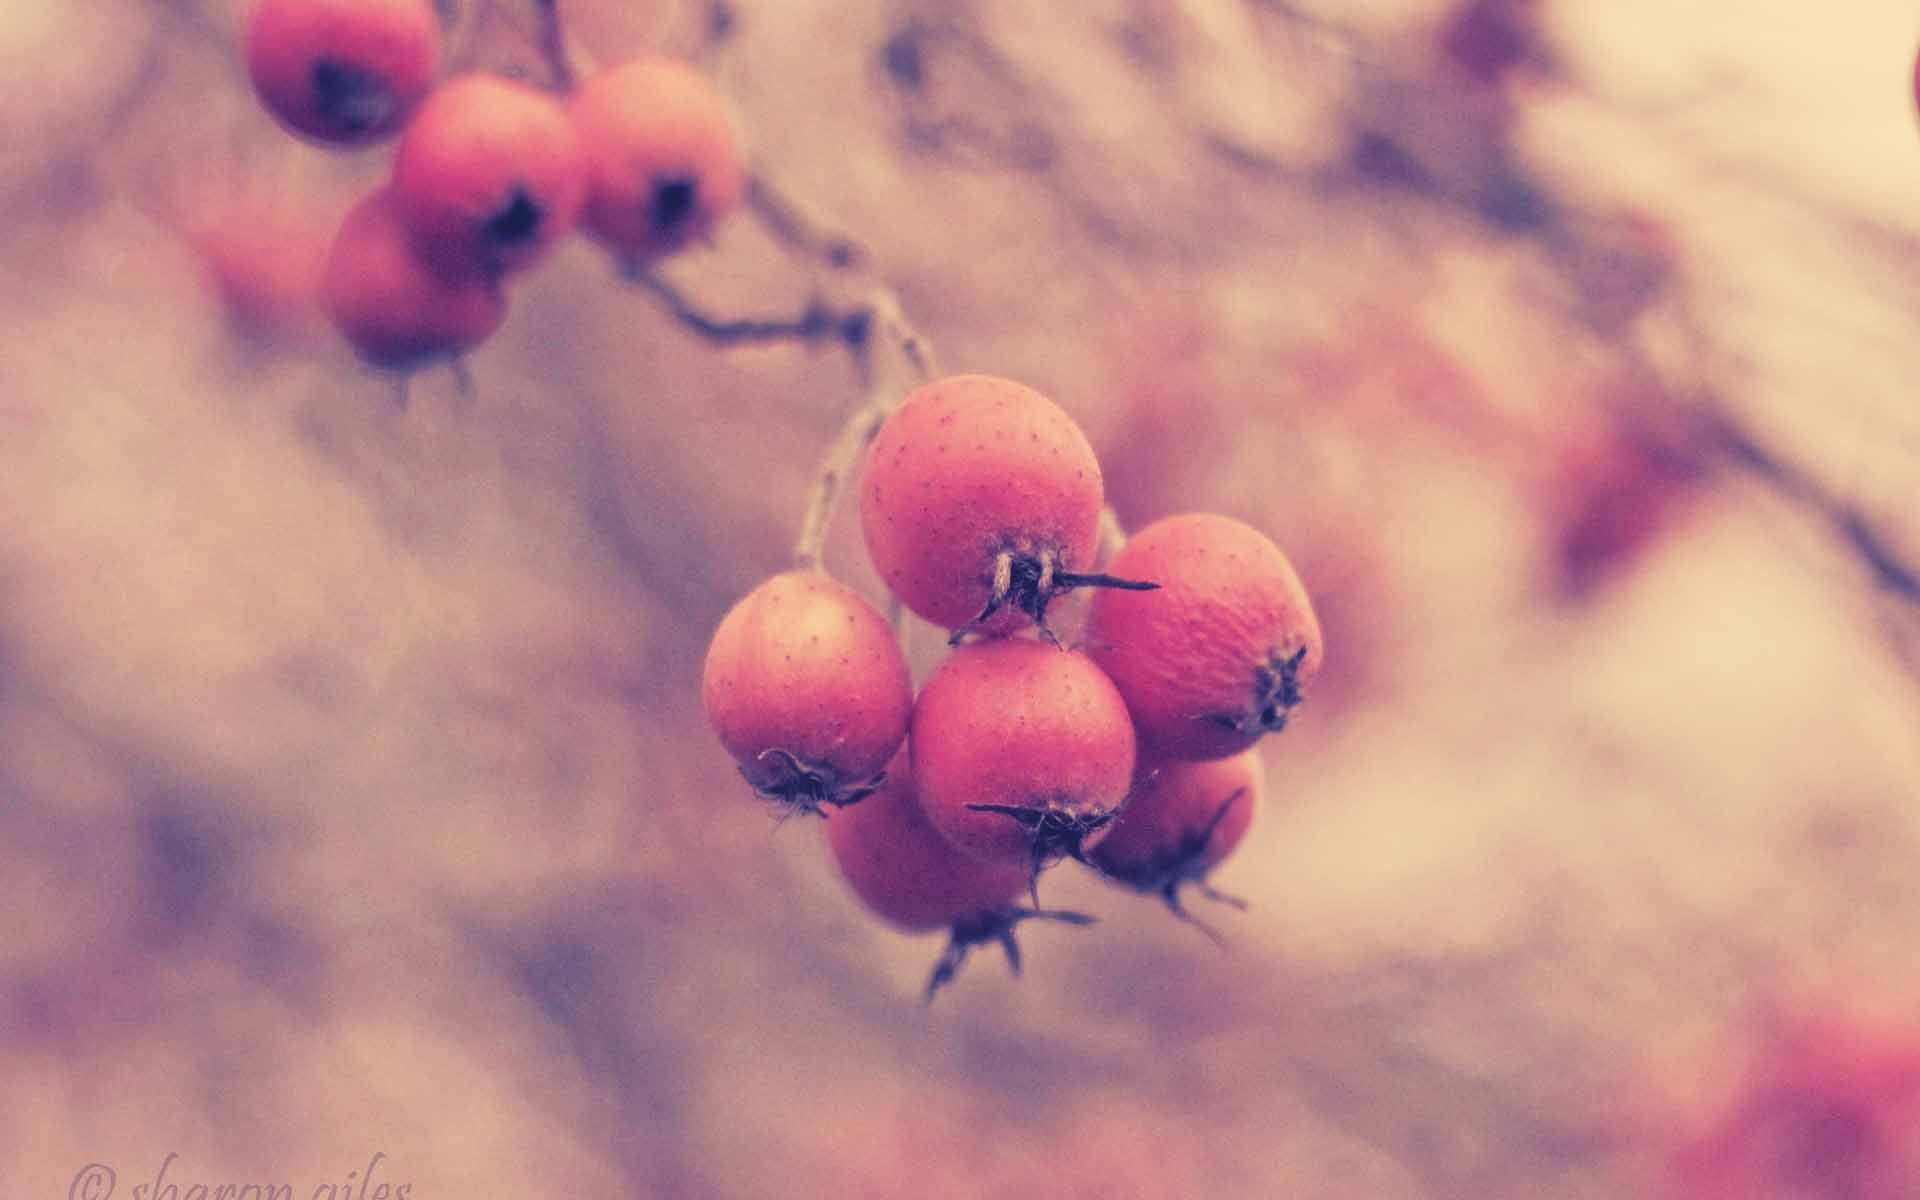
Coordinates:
1019	723
1222	652
489	175
904	870
342	72
663	155
804	674
1181	820
395	309
968	467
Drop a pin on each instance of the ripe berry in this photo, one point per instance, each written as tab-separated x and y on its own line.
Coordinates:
396	310
1023	752
1222	653
903	870
663	160
808	690
489	174
342	71
1180	822
981	501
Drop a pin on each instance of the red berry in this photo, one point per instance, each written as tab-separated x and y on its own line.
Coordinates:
807	689
489	174
901	867
903	870
396	310
1181	820
342	71
1222	652
981	501
663	160
1023	752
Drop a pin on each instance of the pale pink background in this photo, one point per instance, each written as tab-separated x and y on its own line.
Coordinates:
354	795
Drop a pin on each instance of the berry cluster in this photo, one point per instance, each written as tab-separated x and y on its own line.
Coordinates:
490	172
981	503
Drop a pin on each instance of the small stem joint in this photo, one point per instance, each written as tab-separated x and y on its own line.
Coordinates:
1028	582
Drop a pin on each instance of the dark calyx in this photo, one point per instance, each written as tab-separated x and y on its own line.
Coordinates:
516	221
1276	693
349	98
1178	866
992	925
1029	582
673	202
803	788
1051	834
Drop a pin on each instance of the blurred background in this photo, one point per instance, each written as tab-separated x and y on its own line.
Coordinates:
355	798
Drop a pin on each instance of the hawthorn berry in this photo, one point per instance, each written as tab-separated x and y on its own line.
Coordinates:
1180	821
807	689
980	500
902	869
489	174
1222	653
345	72
663	160
396	309
1023	752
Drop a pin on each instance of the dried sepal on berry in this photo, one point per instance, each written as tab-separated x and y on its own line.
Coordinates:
903	870
980	500
1181	820
1223	653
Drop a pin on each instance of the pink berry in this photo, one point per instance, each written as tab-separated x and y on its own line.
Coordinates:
1023	752
345	72
807	689
1222	653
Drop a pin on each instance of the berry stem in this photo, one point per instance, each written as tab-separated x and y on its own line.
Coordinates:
789	222
813	323
551	40
890	353
841	461
1112	535
882	324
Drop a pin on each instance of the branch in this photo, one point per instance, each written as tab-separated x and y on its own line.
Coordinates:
551	41
883	325
1865	540
816	322
790	224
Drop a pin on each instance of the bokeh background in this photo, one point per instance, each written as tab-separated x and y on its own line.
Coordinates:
354	793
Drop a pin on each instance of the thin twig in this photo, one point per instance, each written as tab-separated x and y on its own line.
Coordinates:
790	224
884	327
1112	535
1893	572
815	322
552	43
842	460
